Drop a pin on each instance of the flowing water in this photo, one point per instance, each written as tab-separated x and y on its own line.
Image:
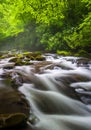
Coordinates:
59	94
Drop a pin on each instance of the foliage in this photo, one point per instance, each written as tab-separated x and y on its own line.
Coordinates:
9	23
83	53
81	37
46	25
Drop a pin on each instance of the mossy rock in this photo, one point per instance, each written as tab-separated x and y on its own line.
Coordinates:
27	63
20	56
13	59
24	63
14	107
3	56
9	120
64	53
6	56
1	53
40	58
20	61
32	53
34	56
17	60
27	53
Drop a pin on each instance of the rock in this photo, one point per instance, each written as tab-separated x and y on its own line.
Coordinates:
13	59
8	120
16	80
43	65
34	56
83	62
14	107
20	61
7	65
40	58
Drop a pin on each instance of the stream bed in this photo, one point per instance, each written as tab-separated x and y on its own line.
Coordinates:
57	89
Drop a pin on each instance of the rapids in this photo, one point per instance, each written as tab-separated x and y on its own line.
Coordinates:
59	94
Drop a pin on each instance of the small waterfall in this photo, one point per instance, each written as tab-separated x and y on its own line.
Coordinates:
55	101
59	95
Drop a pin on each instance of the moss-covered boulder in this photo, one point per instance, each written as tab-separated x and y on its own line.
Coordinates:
14	108
19	61
34	56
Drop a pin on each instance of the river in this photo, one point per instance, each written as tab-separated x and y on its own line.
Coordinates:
59	93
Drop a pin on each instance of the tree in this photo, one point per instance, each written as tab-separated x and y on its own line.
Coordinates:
59	24
10	25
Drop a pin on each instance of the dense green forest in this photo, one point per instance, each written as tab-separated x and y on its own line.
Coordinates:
51	25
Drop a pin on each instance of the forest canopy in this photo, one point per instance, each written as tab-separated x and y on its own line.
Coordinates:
46	24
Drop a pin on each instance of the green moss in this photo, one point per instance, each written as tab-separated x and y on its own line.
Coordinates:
27	53
20	56
40	58
64	53
2	57
34	56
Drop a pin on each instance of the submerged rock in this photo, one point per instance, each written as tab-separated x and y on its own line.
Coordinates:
43	65
83	62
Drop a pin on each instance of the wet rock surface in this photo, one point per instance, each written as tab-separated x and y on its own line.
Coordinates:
14	107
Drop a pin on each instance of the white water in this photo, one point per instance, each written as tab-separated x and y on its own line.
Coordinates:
60	98
50	98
